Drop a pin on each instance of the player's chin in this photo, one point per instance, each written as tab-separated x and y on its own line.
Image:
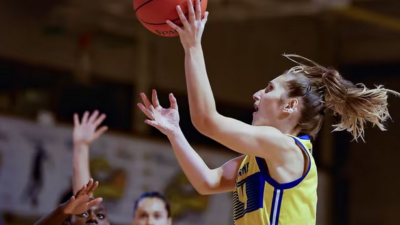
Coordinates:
254	122
259	121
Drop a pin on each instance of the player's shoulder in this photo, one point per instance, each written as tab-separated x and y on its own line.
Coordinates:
272	137
277	141
303	141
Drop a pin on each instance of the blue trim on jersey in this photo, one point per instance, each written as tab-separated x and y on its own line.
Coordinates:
304	137
276	207
274	183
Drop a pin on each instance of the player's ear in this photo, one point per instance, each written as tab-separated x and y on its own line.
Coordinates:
291	106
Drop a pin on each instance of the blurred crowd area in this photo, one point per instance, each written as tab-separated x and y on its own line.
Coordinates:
63	57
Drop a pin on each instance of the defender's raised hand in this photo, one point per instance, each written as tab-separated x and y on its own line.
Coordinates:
82	201
86	131
78	204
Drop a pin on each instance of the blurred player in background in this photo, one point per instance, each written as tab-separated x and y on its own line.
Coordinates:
35	183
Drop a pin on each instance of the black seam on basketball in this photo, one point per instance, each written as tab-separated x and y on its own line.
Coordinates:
143	4
186	15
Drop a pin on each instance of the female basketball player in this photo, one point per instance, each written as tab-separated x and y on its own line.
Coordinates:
76	205
275	181
150	208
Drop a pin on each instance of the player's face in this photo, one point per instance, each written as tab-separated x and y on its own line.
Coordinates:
151	211
269	102
94	216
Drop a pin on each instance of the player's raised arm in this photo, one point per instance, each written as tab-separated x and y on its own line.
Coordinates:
264	141
203	179
85	132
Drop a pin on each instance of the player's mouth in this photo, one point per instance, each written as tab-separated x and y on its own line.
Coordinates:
255	108
91	222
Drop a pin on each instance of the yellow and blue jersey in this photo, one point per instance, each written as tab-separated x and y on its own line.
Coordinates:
260	200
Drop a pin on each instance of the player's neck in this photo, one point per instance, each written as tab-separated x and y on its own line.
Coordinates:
288	128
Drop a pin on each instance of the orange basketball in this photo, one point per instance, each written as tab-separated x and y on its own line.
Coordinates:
153	14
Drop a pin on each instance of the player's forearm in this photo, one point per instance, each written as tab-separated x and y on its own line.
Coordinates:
201	98
81	174
57	217
199	174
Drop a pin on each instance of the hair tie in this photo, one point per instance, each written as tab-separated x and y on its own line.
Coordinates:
308	90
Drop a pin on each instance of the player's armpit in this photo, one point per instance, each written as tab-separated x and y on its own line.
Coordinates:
226	177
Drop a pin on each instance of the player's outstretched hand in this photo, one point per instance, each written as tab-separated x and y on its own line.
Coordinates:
165	120
82	202
192	30
86	131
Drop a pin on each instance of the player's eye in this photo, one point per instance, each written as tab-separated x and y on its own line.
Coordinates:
85	214
269	88
143	216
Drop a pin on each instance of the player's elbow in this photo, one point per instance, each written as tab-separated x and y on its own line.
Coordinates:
203	191
204	124
211	184
202	187
199	121
206	189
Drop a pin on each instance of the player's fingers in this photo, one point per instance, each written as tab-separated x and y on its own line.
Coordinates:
145	100
172	100
99	120
92	188
88	186
70	201
174	26
182	17
192	17
155	101
204	20
76	120
85	117
93	116
146	111
198	10
94	202
100	131
82	190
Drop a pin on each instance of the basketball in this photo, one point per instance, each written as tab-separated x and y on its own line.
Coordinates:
153	14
